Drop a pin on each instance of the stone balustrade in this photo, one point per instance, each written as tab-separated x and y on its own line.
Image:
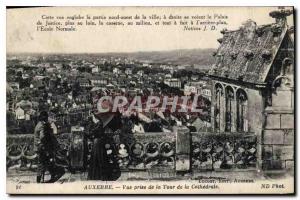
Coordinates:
155	151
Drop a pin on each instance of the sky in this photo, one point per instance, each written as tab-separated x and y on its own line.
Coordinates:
22	36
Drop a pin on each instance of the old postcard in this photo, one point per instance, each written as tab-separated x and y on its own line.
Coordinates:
150	100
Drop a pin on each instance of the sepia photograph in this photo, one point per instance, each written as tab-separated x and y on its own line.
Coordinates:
150	100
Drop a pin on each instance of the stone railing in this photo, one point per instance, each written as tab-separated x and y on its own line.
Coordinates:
20	150
144	152
223	151
147	151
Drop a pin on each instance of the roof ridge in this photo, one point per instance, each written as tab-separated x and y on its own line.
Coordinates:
258	26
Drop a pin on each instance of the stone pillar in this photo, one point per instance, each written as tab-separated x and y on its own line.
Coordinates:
183	149
212	108
259	147
234	114
212	118
222	112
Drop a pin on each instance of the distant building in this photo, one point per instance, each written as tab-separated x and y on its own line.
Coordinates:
189	89
98	81
168	76
95	70
116	70
14	85
51	69
206	92
146	65
194	77
173	82
140	73
128	71
83	82
194	87
20	113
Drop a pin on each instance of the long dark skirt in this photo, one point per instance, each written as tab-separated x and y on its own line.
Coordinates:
103	165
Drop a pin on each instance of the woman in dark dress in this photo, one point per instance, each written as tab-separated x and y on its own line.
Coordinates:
103	164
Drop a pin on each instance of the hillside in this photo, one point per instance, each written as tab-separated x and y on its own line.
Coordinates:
202	58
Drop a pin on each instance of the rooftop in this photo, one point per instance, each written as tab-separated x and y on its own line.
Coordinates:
246	54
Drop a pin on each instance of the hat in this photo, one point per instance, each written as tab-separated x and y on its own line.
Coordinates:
43	116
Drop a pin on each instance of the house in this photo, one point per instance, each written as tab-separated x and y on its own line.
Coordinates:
58	66
253	88
38	84
206	92
122	79
20	113
39	77
181	67
82	98
25	76
188	89
173	82
168	76
83	82
24	110
140	73
26	105
128	71
116	70
98	81
146	65
194	77
193	87
95	70
51	69
14	85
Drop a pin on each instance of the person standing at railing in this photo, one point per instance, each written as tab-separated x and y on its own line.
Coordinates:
46	145
104	131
